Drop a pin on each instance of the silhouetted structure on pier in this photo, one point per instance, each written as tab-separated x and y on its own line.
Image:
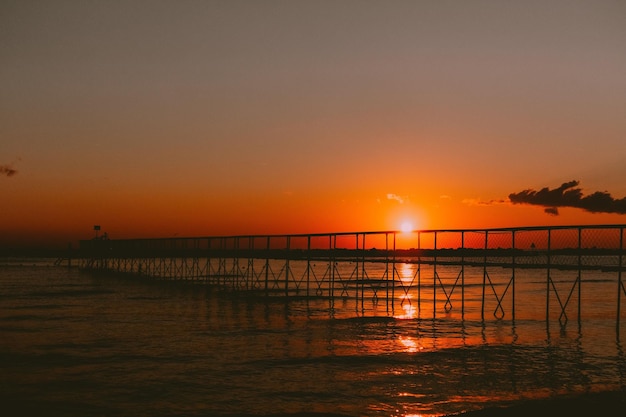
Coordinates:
365	265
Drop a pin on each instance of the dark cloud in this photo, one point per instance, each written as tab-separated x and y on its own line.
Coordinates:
569	195
7	170
553	211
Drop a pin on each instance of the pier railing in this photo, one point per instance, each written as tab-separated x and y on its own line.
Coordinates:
425	269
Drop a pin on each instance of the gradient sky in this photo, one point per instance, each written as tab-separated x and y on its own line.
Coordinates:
191	118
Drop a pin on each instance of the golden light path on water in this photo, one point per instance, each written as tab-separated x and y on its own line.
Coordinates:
407	275
410	344
300	356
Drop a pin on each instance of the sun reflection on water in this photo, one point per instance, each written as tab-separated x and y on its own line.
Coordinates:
410	344
408	310
407	273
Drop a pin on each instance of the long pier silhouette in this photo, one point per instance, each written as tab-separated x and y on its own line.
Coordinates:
430	270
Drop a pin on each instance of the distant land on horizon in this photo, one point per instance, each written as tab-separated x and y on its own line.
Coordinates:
240	244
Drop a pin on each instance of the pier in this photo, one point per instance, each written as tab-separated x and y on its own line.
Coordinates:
437	272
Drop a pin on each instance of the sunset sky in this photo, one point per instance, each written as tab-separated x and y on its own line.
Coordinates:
194	118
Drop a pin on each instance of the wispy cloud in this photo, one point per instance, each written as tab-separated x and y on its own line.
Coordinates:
396	197
570	195
479	202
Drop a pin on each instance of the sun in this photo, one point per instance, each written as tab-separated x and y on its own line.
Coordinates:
406	226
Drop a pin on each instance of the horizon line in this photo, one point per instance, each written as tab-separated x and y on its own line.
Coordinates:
381	232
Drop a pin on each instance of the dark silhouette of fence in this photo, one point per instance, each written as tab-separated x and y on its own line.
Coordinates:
426	268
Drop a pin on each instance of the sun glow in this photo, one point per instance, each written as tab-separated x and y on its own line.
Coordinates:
406	226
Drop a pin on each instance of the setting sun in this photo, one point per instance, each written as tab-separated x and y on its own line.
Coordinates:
406	227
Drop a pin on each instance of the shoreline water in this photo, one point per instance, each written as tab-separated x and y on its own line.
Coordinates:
586	404
581	405
76	343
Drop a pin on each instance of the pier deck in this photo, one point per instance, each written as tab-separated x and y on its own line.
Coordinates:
431	269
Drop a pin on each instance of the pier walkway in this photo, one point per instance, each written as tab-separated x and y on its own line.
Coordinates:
435	271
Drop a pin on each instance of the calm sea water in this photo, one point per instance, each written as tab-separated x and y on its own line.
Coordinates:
78	343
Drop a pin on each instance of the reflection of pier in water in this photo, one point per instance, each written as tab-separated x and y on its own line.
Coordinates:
428	270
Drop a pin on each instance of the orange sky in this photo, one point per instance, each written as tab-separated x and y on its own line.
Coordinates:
218	118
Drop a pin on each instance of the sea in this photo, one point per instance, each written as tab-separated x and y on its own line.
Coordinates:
75	342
